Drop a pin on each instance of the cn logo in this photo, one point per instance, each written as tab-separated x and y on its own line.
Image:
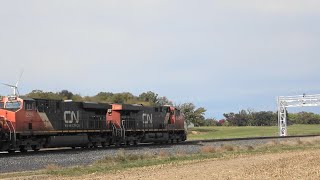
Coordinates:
147	118
71	117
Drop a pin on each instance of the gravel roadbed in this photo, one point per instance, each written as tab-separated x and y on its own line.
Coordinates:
75	157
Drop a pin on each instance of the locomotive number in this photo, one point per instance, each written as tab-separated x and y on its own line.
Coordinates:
147	118
29	115
71	119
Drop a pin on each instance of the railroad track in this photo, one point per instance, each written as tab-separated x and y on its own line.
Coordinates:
66	157
250	138
188	142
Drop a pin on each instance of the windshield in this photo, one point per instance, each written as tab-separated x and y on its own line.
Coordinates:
12	105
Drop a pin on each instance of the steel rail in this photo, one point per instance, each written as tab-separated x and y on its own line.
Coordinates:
188	142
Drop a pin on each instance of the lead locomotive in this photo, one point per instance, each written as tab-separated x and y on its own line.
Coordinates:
27	123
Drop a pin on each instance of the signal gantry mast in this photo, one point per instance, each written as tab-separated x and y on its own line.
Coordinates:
285	102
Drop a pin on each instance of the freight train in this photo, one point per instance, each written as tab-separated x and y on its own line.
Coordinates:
33	124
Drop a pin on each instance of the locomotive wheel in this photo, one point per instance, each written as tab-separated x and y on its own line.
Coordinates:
103	144
110	142
10	151
118	144
23	150
35	148
135	142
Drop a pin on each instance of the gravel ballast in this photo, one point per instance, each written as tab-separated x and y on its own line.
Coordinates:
74	157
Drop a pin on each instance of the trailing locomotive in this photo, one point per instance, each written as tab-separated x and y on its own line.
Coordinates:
27	123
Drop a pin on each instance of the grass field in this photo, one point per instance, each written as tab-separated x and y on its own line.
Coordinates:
122	161
221	132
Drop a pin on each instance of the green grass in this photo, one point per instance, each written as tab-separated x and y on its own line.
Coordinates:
222	132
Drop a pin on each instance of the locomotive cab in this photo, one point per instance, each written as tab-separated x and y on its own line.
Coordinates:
11	103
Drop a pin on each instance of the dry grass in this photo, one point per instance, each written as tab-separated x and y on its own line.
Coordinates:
208	149
52	167
272	143
122	157
194	132
227	147
249	148
181	153
292	143
163	154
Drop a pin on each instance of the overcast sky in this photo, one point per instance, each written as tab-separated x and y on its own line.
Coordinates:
223	55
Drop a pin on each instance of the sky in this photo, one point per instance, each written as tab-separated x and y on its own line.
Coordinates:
224	55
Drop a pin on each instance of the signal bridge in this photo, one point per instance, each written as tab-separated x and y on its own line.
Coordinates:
285	102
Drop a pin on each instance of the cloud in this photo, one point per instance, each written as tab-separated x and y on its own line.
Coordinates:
229	52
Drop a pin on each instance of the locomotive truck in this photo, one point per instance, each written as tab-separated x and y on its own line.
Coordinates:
33	124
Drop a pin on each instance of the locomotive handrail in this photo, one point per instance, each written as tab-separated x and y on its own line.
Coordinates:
132	125
123	129
8	128
114	130
12	130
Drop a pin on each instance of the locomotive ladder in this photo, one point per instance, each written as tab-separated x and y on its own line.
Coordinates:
12	134
119	132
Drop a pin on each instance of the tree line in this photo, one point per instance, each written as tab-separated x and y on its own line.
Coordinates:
147	98
267	118
193	115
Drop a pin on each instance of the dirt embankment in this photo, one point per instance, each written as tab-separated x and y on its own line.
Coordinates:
291	165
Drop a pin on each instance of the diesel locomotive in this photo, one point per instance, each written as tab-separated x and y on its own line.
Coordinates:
33	124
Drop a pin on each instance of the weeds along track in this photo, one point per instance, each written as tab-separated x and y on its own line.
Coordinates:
146	145
188	142
77	157
250	138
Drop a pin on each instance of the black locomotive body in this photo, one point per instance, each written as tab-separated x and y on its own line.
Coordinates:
68	115
148	124
27	123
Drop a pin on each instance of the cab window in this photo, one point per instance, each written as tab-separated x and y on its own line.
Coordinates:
13	105
29	105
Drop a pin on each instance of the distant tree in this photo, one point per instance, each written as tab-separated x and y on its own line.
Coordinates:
43	95
149	96
251	118
196	116
124	97
77	98
163	101
104	96
211	122
305	118
65	94
230	118
265	118
117	98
